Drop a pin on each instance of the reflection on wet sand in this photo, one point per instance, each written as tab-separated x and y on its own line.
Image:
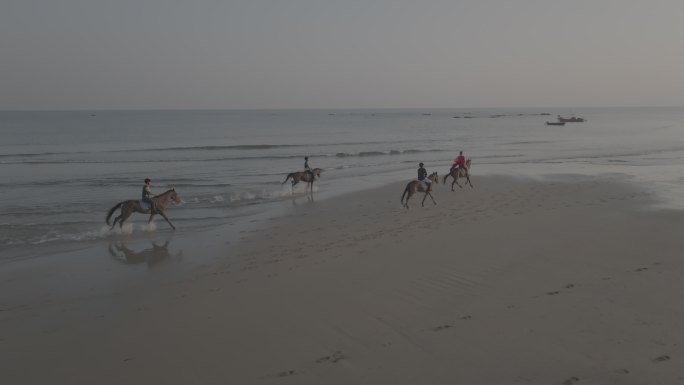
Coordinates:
309	199
151	256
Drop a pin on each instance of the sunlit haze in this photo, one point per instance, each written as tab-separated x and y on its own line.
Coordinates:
251	54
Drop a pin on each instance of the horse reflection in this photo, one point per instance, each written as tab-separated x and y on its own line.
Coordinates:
151	256
309	199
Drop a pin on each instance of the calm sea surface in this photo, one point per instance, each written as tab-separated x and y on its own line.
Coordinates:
61	171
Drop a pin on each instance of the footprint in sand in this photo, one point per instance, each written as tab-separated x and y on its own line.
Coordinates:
662	358
641	269
286	373
570	381
331	358
441	327
553	293
466	317
569	286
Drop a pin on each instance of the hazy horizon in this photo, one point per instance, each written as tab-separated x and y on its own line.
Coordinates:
305	54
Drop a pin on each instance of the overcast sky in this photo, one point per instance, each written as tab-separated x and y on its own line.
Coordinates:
120	54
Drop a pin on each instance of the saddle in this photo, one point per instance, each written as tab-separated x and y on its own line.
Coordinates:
455	170
145	205
423	184
307	176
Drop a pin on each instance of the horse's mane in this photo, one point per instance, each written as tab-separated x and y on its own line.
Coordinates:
165	193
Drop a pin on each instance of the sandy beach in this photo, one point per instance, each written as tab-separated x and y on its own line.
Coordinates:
557	281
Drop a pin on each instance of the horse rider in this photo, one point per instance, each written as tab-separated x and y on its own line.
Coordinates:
147	192
307	169
422	177
459	162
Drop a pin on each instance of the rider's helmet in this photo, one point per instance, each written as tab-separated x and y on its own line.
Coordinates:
420	164
147	180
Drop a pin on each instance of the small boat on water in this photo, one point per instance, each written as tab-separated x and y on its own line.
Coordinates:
571	119
555	123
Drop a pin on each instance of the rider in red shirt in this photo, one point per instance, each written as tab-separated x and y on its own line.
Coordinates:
459	162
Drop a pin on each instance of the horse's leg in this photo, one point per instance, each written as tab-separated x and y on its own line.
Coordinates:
431	197
428	192
410	194
167	219
124	216
469	182
151	216
115	220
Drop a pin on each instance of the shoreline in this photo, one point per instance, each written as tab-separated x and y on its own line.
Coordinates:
514	280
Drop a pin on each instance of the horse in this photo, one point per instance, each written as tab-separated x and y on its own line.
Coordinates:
461	173
159	203
303	176
417	186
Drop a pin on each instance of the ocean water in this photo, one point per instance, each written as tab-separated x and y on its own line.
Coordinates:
60	172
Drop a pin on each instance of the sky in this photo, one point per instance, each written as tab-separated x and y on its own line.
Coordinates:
265	54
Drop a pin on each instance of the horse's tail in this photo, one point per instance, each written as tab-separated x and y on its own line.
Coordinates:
406	190
288	177
111	211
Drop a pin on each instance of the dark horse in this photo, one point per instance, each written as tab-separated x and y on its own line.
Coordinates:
133	206
417	186
461	173
303	176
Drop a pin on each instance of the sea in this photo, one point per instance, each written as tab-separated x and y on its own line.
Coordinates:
61	171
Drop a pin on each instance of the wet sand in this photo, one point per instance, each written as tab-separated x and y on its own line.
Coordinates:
514	281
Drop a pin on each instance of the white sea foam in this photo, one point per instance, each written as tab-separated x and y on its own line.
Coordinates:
217	198
149	227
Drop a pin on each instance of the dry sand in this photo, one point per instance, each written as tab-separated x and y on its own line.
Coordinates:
514	281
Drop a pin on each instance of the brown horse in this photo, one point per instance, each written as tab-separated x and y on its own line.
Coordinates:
133	206
303	176
417	186
461	173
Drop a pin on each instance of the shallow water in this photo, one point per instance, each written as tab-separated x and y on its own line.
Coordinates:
62	171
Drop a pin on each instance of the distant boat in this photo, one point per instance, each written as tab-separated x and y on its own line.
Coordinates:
571	119
555	123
